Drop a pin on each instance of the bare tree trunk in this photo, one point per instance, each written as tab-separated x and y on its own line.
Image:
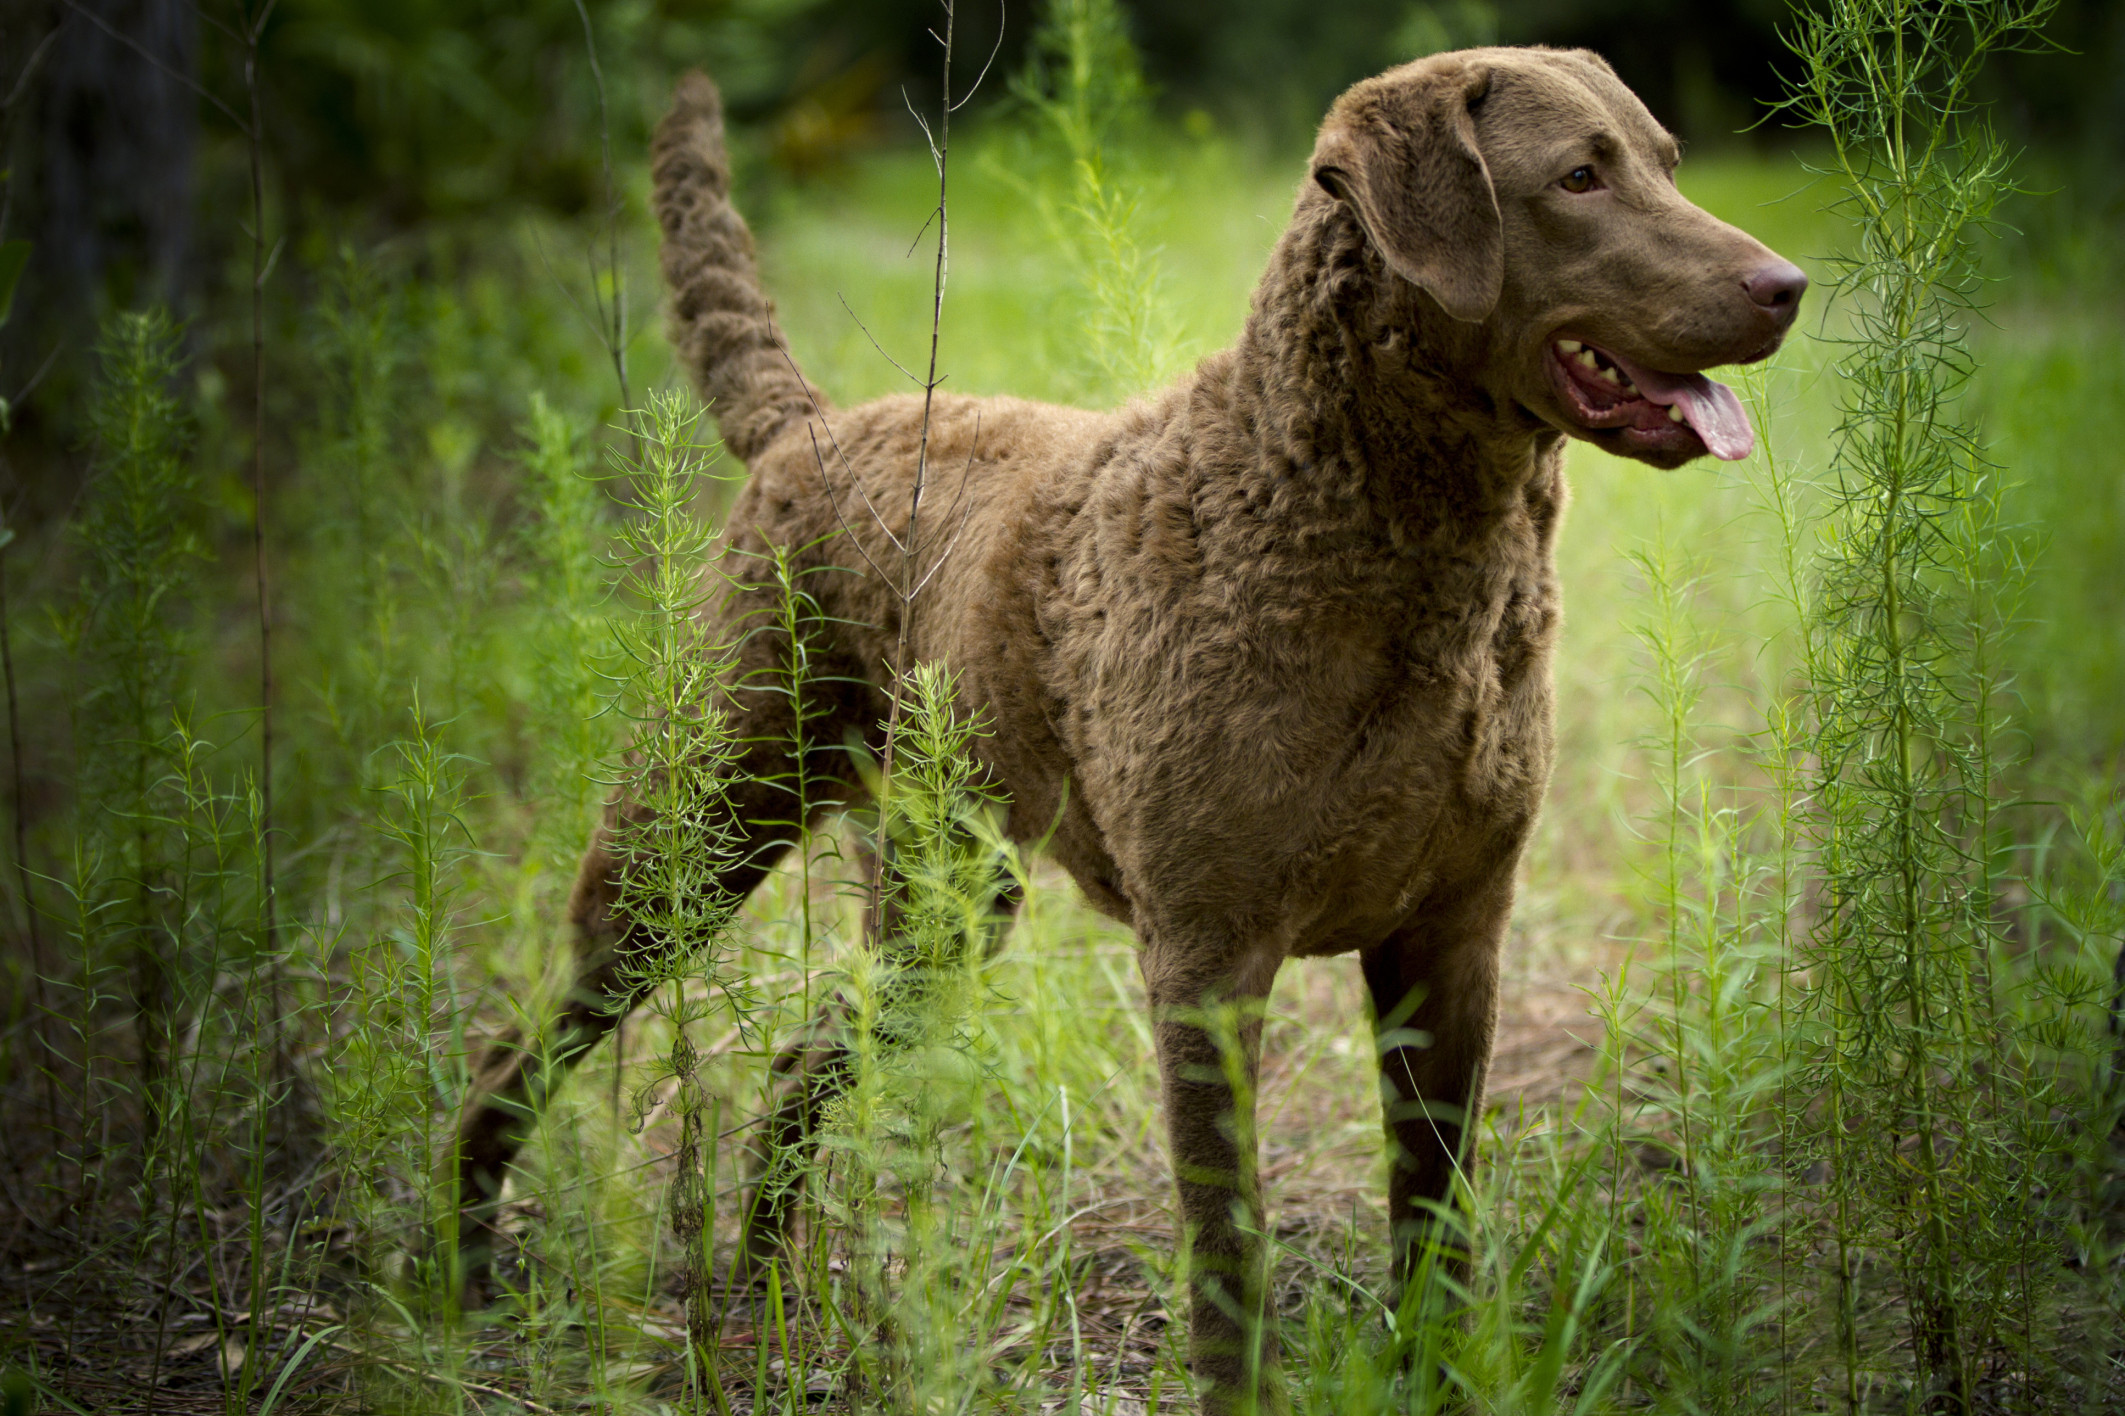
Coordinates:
103	157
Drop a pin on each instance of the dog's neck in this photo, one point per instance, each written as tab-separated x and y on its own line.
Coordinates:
1361	397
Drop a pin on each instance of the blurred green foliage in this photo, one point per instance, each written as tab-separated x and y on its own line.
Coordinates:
411	109
380	116
408	108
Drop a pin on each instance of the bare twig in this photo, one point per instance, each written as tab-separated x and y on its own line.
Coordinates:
966	469
278	1063
818	413
538	243
254	134
612	320
198	89
835	501
912	578
924	230
929	137
944	555
22	394
906	372
1002	23
7	125
940	143
959	500
31	65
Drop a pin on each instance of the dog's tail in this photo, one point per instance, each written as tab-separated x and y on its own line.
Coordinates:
722	323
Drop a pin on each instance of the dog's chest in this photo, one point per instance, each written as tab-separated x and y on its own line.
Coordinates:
1449	738
1316	745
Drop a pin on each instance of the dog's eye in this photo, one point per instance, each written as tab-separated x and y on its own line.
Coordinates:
1579	179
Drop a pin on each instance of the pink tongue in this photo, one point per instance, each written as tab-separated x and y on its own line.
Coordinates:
1708	406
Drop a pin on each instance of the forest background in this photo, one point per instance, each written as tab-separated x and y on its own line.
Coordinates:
340	322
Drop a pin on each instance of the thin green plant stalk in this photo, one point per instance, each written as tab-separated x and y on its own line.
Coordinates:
1085	83
1236	1033
565	542
425	815
679	834
1902	761
794	621
237	807
217	840
1676	691
258	1155
179	1146
1615	1004
911	998
399	1063
670	686
128	632
362	521
1784	754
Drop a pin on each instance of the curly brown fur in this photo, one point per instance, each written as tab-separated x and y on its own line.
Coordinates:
1266	657
721	321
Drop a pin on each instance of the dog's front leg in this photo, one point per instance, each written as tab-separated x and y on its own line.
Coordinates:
1208	1026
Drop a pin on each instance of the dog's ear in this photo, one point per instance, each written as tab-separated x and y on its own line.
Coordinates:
1403	155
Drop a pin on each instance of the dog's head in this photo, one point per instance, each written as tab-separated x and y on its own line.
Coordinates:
1529	193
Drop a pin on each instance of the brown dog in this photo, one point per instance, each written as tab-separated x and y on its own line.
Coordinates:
1270	651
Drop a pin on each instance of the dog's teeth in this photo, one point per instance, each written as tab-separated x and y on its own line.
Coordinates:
1586	357
1569	346
1674	413
1630	388
1611	375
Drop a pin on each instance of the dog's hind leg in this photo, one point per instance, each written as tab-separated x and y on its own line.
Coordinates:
517	1072
814	1067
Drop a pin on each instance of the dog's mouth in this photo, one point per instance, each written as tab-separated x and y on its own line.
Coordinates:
1650	412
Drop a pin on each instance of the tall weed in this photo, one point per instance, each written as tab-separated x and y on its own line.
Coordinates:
1085	85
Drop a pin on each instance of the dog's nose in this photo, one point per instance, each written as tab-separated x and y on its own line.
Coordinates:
1777	288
